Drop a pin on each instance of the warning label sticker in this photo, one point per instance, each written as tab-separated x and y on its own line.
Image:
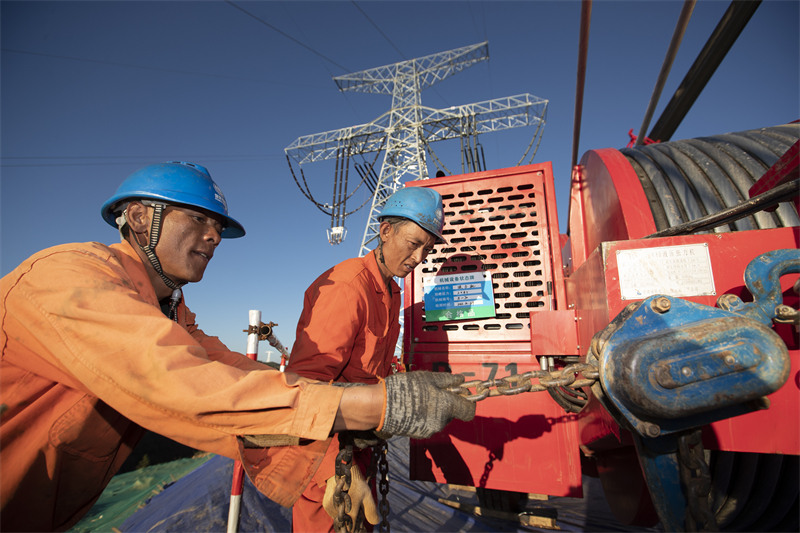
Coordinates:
683	270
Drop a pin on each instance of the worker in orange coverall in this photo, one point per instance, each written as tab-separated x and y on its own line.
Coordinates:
98	344
349	328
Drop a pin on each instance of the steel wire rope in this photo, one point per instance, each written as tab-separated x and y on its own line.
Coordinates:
278	30
672	51
379	29
383	34
755	166
734	173
345	95
736	161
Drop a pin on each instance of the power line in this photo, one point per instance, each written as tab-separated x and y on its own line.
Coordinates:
130	65
379	30
173	156
270	26
73	161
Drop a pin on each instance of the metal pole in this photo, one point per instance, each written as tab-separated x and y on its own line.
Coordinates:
716	48
237	484
583	52
275	343
677	36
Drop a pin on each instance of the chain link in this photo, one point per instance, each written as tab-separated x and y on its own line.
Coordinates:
519	383
566	377
342	522
696	479
382	451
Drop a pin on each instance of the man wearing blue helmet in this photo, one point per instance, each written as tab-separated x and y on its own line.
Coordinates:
348	330
188	190
98	346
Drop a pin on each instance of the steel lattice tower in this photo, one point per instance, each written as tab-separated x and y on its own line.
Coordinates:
407	130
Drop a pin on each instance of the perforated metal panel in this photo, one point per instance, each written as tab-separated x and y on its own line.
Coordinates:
495	222
501	222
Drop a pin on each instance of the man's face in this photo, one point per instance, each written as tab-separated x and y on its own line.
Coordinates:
187	242
405	246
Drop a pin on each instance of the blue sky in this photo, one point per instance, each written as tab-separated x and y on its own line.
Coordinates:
91	91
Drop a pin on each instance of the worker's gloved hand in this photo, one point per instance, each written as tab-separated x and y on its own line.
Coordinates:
418	404
360	496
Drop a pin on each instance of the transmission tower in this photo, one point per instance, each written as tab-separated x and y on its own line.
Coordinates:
406	132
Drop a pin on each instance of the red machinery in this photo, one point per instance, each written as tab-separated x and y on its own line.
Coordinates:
552	293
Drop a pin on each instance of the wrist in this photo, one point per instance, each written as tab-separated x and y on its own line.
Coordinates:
360	408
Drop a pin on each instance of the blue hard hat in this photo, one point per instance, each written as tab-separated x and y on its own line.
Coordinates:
173	182
418	204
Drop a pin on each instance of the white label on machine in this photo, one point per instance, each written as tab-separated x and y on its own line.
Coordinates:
683	270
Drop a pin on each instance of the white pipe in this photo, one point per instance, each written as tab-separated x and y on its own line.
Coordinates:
238	469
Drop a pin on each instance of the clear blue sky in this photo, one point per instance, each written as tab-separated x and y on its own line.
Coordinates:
92	91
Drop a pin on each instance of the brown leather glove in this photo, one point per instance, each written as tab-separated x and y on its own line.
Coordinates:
360	496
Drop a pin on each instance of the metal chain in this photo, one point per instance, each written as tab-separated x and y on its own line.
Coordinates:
507	386
342	522
382	451
696	479
519	383
487	468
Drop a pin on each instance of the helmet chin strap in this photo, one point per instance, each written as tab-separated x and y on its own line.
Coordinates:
380	253
150	251
379	249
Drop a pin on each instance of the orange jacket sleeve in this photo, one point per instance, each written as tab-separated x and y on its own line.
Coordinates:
83	338
333	316
82	316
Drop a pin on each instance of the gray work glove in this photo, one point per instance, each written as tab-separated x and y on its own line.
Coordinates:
418	404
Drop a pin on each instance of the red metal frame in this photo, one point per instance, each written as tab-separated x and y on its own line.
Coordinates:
730	253
607	203
785	169
504	222
527	443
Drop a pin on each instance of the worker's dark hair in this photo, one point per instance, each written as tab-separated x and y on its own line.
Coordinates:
394	221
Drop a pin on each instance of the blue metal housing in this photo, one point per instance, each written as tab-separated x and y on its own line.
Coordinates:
668	364
674	365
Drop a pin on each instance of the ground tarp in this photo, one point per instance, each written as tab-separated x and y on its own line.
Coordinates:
199	501
130	491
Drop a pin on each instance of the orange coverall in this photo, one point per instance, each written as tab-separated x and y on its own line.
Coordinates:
89	359
347	332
